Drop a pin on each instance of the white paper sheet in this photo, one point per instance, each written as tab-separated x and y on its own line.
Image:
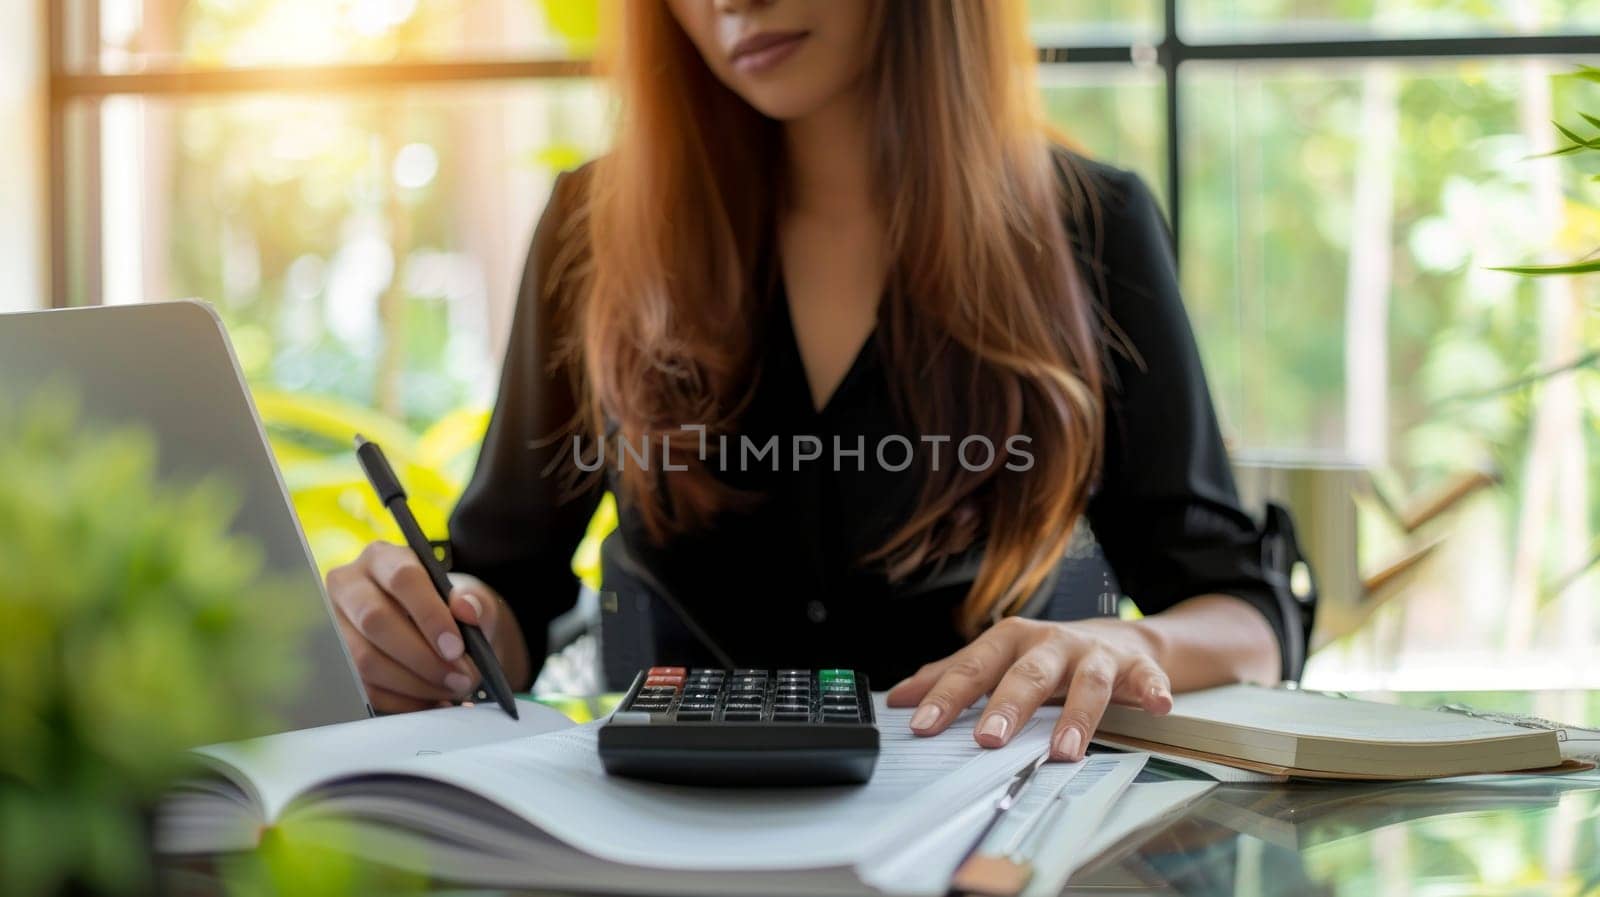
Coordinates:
1145	805
557	783
274	768
926	866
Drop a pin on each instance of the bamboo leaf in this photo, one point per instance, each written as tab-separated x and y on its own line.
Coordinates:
1564	151
1590	119
1589	267
1573	136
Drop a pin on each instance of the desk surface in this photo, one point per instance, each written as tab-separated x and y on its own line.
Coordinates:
1505	835
1514	835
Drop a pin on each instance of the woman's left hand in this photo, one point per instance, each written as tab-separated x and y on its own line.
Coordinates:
1022	664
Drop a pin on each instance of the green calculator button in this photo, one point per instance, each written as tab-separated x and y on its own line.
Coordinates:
826	675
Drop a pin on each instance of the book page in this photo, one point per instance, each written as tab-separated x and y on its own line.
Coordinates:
557	783
274	769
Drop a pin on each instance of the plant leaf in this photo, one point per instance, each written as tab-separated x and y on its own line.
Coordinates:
1590	119
1564	151
1589	267
1573	136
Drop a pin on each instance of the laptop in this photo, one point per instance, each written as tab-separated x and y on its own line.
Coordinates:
169	368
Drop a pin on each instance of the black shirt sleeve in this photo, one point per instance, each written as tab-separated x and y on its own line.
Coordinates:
515	526
1166	512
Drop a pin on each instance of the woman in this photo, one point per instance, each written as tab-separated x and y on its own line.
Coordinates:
833	258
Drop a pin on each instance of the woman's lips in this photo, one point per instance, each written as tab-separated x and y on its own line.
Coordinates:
763	52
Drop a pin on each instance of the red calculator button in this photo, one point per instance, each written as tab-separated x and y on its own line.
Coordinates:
668	681
680	672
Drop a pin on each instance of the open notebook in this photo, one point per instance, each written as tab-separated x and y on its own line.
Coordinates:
1313	735
466	795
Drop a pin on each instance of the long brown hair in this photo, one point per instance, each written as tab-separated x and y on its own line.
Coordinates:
987	326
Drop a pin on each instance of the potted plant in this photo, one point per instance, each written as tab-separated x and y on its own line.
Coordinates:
132	625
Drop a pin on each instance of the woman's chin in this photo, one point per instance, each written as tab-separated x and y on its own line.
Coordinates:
784	102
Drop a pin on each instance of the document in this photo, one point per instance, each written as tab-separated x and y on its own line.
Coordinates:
556	783
1062	804
539	811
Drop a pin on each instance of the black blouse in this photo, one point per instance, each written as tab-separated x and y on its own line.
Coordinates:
780	583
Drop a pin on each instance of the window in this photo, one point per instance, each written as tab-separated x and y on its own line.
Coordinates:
353	184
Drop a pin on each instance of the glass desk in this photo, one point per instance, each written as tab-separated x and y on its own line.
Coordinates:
1486	836
1506	835
1492	835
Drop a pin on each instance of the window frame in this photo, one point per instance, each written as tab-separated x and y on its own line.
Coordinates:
71	23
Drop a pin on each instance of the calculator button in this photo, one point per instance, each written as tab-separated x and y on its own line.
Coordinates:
742	716
669	681
749	672
836	674
666	671
792	717
841	718
695	716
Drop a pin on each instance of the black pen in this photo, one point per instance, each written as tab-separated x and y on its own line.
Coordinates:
393	496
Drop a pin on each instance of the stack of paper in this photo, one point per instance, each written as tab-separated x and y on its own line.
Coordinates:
1310	735
466	795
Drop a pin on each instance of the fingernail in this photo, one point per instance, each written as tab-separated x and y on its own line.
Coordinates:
925	717
477	606
457	683
994	728
449	645
1068	743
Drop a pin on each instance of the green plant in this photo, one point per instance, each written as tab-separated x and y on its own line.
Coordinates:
134	625
1577	145
311	438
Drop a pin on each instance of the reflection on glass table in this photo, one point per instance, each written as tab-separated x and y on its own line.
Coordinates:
1502	835
1488	835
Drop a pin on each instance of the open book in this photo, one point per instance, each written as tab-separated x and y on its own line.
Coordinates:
467	795
1312	735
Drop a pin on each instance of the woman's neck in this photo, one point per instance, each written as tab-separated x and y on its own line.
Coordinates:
829	162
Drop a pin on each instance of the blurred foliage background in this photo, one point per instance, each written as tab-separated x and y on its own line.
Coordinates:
135	627
1341	220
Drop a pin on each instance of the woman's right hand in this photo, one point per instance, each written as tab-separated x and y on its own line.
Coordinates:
405	642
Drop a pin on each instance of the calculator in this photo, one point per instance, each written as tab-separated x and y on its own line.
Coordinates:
743	727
